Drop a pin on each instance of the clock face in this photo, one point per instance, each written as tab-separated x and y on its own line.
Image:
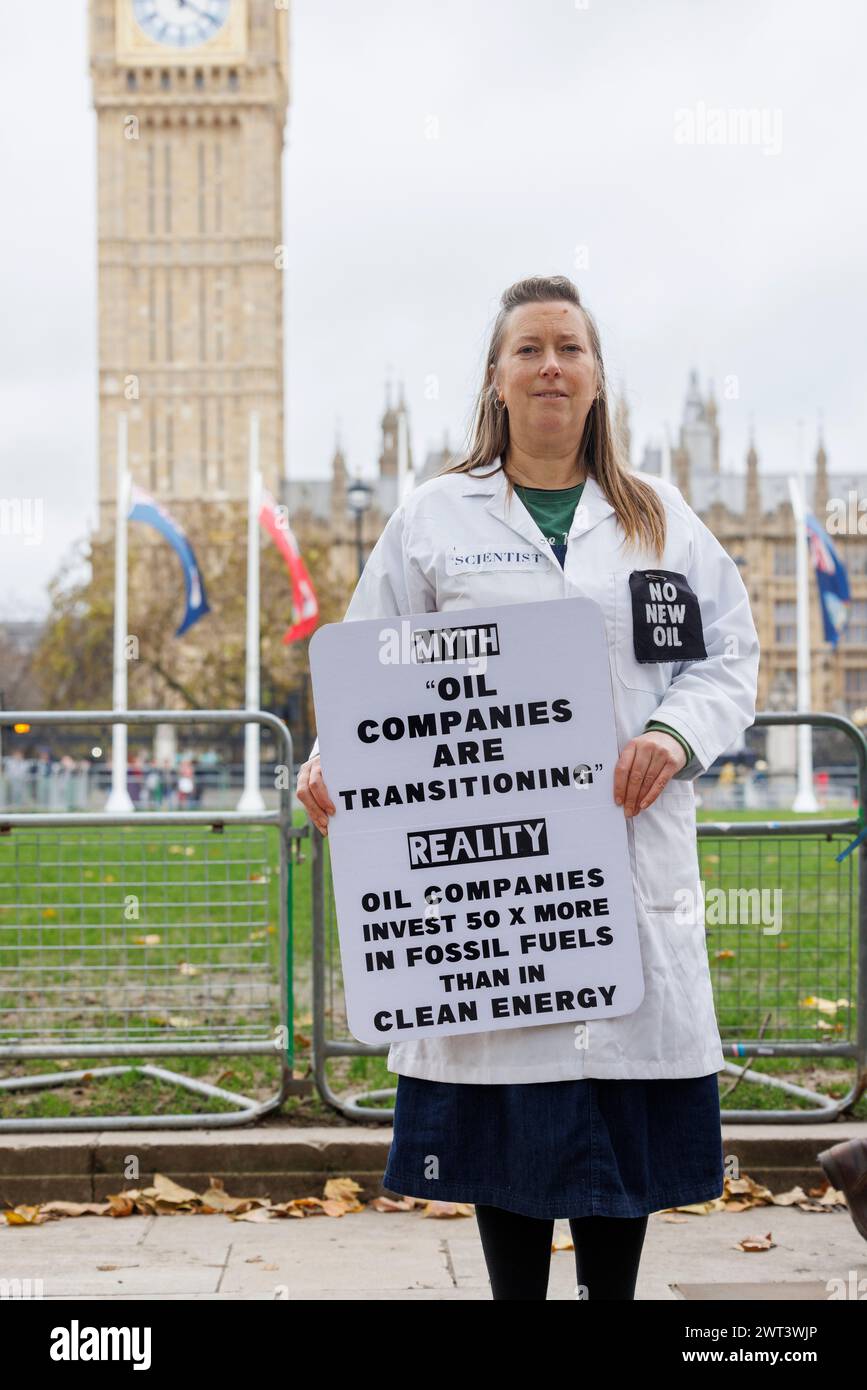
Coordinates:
181	23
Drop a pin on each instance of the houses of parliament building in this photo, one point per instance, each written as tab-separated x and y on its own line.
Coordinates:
749	512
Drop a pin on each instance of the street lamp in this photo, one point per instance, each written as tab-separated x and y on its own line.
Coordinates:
359	496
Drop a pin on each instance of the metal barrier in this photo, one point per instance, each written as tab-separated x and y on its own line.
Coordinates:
150	936
816	969
820	957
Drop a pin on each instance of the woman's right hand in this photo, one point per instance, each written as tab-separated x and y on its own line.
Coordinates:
312	792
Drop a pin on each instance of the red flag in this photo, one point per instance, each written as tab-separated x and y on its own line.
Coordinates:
304	601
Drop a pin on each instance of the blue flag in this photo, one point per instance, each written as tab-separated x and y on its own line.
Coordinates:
832	579
143	507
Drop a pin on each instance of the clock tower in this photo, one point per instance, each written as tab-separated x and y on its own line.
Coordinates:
191	99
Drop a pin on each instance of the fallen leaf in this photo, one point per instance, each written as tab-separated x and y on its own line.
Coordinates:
701	1208
746	1184
120	1205
22	1216
825	1006
76	1208
392	1204
168	1191
756	1243
220	1200
344	1190
790	1198
448	1209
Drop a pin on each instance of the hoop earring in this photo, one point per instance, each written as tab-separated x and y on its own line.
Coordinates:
498	404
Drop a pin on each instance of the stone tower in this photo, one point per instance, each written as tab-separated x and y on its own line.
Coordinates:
699	430
191	103
392	419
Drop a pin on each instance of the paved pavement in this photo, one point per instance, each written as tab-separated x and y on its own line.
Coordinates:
372	1255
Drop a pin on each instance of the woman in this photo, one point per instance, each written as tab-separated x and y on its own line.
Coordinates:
611	1120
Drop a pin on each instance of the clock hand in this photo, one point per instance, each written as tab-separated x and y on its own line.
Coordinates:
186	5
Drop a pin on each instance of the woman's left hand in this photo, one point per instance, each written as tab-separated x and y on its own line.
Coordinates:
646	765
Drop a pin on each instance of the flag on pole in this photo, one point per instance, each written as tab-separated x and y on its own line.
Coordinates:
304	601
145	508
831	578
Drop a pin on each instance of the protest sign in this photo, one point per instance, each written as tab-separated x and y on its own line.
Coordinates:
480	865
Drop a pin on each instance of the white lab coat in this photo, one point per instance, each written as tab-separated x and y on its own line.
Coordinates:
674	1032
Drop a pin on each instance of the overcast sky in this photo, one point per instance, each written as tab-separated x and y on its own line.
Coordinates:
435	153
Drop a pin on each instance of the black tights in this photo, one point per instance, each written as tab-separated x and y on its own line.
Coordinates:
518	1253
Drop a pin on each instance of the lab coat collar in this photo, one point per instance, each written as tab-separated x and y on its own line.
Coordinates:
592	508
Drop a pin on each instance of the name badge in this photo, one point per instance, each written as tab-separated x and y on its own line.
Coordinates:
462	561
666	617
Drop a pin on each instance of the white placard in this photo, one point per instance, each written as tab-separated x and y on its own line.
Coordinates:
480	865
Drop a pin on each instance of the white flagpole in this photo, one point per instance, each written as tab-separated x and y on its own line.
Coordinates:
251	798
805	797
119	798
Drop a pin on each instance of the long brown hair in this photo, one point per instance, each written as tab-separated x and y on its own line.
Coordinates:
636	504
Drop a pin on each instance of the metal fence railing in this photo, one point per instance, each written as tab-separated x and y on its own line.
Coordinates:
796	987
77	784
792	985
146	935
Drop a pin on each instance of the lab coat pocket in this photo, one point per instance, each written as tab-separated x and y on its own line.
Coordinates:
665	847
651	677
681	948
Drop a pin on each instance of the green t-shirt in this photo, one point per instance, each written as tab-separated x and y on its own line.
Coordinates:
553	510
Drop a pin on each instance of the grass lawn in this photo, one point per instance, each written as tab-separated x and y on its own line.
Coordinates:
153	934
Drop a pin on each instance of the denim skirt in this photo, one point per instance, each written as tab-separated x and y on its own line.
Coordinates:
594	1147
